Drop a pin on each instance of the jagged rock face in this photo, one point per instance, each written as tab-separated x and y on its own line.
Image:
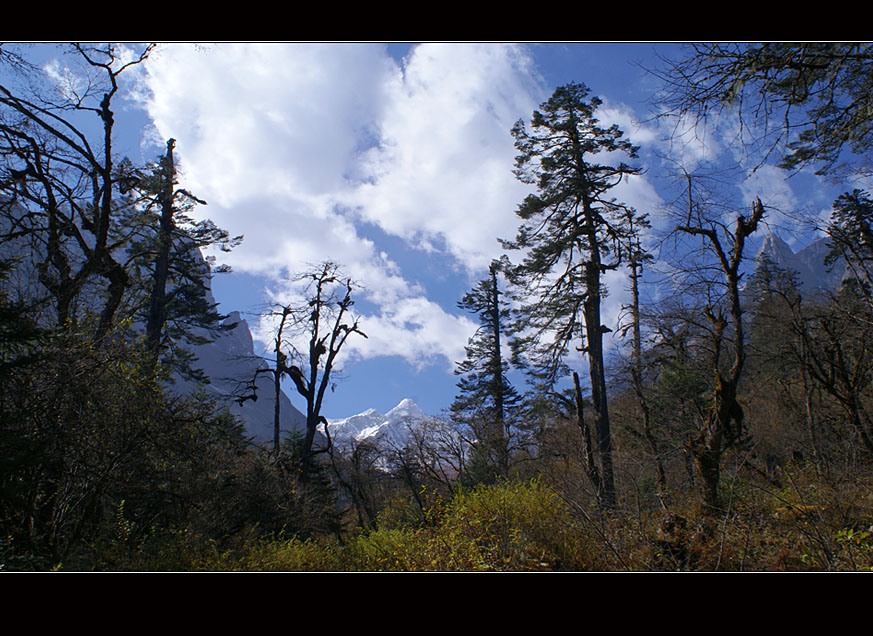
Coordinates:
807	263
230	364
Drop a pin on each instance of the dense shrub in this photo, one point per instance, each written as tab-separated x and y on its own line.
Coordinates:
513	526
101	468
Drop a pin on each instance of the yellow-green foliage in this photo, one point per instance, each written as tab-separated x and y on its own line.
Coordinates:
291	555
511	527
799	524
405	550
518	526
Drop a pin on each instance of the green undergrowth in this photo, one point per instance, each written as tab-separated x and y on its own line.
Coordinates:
798	524
514	526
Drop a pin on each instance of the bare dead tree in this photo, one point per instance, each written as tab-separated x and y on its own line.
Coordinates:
722	426
321	323
636	260
69	179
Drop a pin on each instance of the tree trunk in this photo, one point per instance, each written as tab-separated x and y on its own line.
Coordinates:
588	459
157	304
724	423
501	439
638	374
594	333
720	431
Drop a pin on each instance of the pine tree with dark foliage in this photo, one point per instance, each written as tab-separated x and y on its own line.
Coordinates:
173	298
573	232
485	396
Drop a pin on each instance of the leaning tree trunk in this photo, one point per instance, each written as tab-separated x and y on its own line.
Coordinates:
588	459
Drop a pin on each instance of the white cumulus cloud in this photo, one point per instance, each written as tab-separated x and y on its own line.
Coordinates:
297	145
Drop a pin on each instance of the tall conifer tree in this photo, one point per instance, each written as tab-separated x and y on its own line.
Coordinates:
485	395
170	279
572	233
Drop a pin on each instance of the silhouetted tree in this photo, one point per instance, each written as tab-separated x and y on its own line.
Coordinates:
485	395
811	102
171	279
572	233
67	179
322	319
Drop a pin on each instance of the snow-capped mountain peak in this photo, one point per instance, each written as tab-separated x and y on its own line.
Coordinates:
390	429
406	408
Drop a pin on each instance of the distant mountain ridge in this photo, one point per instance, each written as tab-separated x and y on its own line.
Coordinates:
807	263
393	429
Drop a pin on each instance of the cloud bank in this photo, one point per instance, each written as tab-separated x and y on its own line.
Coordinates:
299	146
318	151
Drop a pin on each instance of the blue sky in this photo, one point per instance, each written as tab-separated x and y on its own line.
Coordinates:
394	161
